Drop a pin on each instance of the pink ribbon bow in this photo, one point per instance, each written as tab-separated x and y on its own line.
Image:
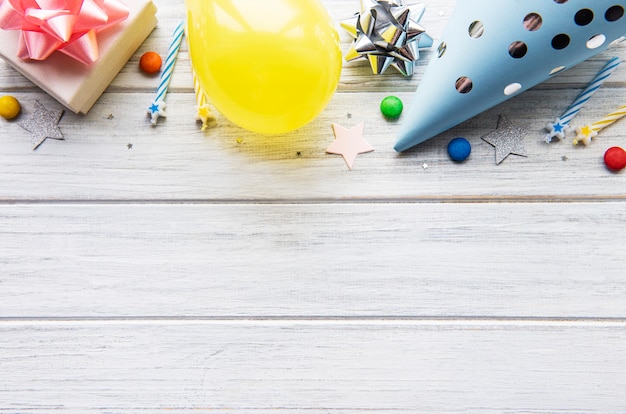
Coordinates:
69	26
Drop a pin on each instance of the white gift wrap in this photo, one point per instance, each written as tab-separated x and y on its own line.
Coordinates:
76	85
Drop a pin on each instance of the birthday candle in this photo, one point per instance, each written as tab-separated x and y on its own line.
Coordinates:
157	108
559	127
586	133
203	113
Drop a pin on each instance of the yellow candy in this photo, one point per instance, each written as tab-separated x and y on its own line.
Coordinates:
269	66
9	107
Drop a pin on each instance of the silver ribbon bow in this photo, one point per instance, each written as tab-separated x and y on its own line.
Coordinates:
387	33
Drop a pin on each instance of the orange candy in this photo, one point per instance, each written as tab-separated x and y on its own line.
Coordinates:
150	62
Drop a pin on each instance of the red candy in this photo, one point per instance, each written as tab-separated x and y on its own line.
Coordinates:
615	159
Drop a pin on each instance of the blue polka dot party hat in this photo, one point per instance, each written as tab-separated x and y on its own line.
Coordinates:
492	50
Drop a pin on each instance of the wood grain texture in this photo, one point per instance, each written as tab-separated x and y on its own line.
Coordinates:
225	272
177	161
431	259
286	367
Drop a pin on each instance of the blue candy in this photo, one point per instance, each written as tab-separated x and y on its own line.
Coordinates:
459	149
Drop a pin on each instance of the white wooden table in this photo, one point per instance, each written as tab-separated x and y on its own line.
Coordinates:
224	272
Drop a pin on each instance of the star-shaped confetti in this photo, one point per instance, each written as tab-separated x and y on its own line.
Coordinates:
387	33
349	143
204	115
557	129
585	134
43	124
507	139
157	109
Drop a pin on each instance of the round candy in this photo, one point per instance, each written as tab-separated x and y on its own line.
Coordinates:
150	62
459	149
615	158
9	107
391	107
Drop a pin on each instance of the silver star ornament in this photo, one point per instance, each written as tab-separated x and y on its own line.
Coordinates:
507	139
387	33
43	124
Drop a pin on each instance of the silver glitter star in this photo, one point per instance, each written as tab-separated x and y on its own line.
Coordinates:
42	124
507	139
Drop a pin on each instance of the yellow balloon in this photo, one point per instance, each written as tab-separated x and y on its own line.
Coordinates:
269	66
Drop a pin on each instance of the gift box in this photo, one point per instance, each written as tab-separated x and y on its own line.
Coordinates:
77	85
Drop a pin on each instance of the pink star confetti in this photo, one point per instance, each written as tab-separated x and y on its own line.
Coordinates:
349	143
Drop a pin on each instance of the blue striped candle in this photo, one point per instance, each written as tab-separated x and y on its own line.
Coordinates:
157	108
559	128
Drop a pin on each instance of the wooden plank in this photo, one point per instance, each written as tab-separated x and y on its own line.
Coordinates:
313	367
355	259
228	272
177	161
356	75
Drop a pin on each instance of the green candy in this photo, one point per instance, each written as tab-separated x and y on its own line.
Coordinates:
391	107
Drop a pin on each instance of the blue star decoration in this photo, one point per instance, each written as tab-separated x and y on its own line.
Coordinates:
43	124
557	129
507	139
155	110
